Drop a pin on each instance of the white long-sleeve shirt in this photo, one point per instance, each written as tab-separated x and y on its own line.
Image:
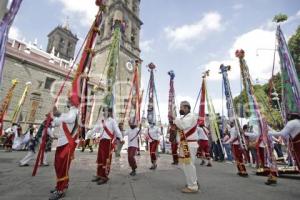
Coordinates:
70	119
254	137
291	129
111	125
17	143
153	133
90	135
202	133
186	123
132	137
233	137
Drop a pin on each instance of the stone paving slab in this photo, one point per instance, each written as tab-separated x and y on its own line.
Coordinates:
218	182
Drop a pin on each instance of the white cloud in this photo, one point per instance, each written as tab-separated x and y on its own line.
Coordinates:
14	33
146	46
294	17
258	45
183	36
238	6
85	12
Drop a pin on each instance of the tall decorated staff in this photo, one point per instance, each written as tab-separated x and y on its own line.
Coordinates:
79	85
230	106
6	103
112	63
80	82
20	105
212	115
201	120
132	110
291	84
290	94
171	104
258	121
153	131
5	25
151	116
171	117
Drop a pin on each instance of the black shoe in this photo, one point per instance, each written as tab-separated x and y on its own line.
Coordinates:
271	182
56	195
174	163
202	162
209	165
153	167
102	181
96	179
53	190
25	165
133	173
242	174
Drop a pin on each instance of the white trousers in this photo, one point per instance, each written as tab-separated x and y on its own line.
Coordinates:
30	156
190	170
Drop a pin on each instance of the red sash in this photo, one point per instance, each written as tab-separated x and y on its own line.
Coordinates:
109	133
204	130
135	135
150	135
191	131
69	137
235	140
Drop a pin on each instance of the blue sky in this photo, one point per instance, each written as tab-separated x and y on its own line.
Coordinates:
187	37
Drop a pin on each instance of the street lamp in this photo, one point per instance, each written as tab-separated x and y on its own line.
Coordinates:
275	97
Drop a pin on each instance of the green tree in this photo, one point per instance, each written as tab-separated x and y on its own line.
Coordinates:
280	18
294	46
267	108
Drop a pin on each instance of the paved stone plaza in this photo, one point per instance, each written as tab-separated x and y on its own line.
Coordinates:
218	182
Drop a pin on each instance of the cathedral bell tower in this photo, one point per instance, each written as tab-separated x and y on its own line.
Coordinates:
127	11
63	42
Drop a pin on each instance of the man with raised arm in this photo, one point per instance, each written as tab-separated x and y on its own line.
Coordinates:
187	125
109	133
66	144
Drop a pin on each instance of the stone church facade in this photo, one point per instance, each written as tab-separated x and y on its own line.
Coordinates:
47	70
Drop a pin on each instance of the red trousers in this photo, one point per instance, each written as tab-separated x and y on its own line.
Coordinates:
174	147
9	141
261	157
238	155
131	157
153	150
203	149
104	158
63	157
296	150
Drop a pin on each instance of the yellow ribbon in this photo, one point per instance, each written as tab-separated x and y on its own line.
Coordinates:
8	98
21	103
